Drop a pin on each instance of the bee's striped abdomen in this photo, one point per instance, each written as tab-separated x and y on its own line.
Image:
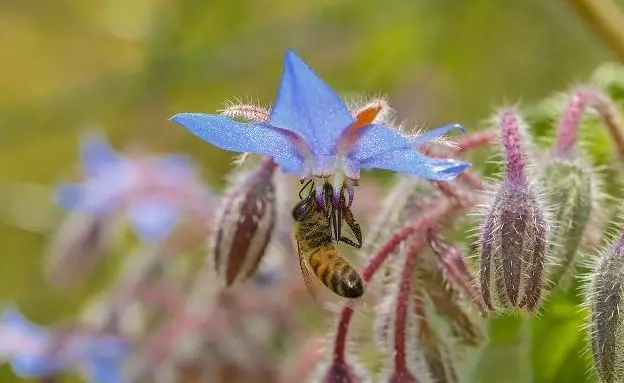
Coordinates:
336	273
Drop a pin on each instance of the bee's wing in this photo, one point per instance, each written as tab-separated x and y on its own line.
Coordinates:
311	281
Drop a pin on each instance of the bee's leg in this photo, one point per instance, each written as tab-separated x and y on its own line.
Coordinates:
350	242
304	187
355	227
337	219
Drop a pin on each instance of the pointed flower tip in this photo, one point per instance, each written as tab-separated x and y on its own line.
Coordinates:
427	136
289	54
179	118
96	152
460	127
451	168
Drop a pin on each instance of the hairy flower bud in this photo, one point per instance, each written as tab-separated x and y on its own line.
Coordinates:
465	326
606	325
513	250
514	236
245	225
571	192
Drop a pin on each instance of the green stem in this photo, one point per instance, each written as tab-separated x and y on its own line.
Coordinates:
606	19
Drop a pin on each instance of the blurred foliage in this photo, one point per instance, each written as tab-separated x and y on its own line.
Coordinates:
128	66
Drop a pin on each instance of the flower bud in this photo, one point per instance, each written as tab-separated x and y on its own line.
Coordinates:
77	246
245	224
456	310
514	236
571	192
604	299
513	249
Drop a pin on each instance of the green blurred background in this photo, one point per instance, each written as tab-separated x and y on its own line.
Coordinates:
128	65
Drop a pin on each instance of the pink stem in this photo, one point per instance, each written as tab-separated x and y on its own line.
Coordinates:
471	179
475	140
580	99
453	192
405	288
439	212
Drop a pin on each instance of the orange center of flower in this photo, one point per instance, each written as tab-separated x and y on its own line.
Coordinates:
363	117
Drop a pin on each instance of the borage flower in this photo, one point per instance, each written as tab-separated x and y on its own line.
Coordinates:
153	191
311	132
37	352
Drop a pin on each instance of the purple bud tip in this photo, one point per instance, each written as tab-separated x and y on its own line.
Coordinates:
511	124
567	130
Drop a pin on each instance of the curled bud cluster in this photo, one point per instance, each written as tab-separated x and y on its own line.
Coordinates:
515	233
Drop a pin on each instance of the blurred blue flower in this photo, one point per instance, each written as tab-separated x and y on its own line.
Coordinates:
35	352
151	191
310	131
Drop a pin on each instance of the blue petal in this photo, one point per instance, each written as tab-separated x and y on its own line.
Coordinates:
96	154
154	219
14	326
104	371
308	106
98	198
29	366
13	320
106	357
228	134
69	195
425	137
377	139
410	161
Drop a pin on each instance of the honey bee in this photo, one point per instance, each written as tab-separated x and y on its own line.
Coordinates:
318	255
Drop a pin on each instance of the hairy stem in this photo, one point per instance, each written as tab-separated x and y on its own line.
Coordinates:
405	288
580	99
474	141
430	219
